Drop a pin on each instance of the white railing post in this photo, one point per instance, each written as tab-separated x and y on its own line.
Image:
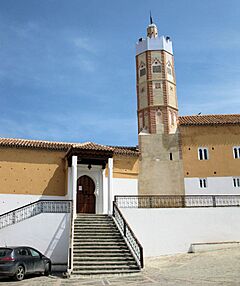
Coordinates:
110	178
74	184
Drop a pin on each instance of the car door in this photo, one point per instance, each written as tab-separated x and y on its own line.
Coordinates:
24	256
37	260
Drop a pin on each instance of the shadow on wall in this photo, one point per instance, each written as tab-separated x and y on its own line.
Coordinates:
58	246
48	232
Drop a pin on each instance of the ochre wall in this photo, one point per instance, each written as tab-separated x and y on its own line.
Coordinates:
220	141
35	172
125	167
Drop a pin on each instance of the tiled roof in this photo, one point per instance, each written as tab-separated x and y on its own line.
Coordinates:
220	119
64	146
25	143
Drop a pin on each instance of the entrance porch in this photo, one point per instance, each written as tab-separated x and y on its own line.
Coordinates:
90	174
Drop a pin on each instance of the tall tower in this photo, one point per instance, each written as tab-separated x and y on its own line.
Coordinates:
161	169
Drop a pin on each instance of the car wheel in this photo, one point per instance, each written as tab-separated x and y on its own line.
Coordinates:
20	273
47	269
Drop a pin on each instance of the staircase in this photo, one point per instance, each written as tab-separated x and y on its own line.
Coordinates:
99	247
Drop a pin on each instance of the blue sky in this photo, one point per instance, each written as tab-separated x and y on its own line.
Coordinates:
67	68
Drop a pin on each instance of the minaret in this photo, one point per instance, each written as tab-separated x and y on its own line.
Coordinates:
161	170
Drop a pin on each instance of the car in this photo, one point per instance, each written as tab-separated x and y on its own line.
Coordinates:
19	261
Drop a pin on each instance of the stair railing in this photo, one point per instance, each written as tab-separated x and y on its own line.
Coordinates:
135	246
33	209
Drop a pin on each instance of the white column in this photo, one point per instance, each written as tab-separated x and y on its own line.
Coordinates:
110	178
74	184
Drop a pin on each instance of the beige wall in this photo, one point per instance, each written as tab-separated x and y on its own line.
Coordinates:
35	172
220	141
125	167
157	173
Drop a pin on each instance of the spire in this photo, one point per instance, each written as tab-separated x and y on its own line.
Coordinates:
151	20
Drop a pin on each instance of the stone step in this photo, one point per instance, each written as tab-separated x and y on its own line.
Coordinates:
97	228
106	225
100	252
103	247
93	245
92	231
91	259
103	267
105	262
97	223
104	272
98	238
98	241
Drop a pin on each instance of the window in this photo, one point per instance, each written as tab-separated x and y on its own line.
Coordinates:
157	85
203	153
236	152
236	182
203	183
23	252
169	68
34	253
142	71
157	68
169	71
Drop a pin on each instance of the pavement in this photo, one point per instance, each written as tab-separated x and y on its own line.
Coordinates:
219	267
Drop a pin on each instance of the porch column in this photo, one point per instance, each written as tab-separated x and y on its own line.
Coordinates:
110	177
74	184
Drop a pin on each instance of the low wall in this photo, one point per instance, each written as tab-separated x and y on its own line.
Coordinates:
173	230
10	202
49	233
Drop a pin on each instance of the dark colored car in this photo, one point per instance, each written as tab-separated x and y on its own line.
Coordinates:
18	261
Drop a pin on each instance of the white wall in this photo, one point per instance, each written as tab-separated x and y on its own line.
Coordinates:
11	202
119	187
170	231
49	233
125	187
215	186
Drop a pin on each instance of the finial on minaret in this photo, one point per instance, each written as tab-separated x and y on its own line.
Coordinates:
152	28
151	20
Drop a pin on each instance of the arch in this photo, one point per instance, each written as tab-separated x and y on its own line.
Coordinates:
86	200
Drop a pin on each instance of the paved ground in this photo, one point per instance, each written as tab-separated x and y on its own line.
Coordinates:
220	267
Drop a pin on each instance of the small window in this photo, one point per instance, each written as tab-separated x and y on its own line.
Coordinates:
203	153
157	85
157	68
142	71
236	152
169	71
236	182
23	252
34	253
203	183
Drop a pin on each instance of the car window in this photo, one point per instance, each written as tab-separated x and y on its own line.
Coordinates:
23	251
34	253
5	252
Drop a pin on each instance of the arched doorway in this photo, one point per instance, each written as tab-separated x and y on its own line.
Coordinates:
86	199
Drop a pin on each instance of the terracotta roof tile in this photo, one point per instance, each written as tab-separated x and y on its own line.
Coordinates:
219	119
64	146
25	143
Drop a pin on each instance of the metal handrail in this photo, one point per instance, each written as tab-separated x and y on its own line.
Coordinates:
127	232
33	209
177	201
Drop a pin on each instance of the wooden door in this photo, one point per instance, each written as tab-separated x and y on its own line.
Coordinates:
85	195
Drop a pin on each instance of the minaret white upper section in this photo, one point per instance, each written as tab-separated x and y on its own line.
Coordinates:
153	42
